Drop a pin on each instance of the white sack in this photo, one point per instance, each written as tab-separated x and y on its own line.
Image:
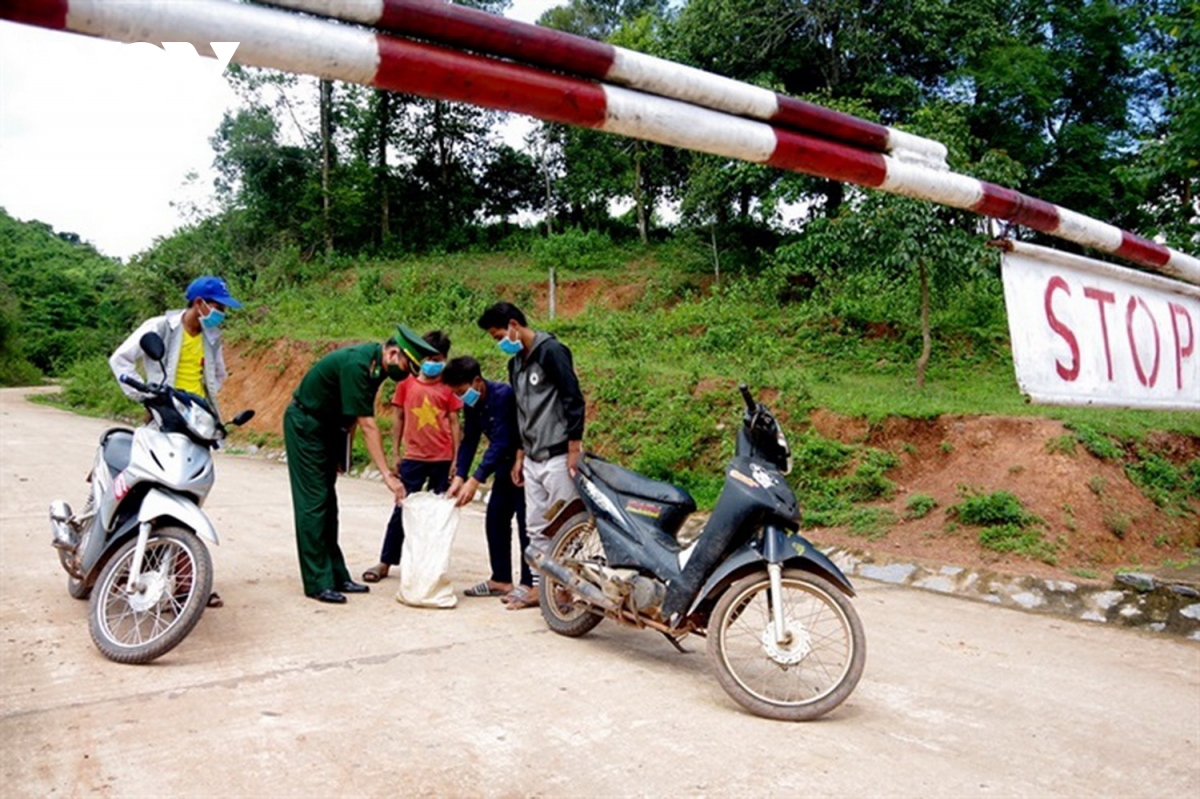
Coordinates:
430	522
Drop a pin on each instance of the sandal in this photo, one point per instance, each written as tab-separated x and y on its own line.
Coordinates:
375	573
484	589
521	598
215	601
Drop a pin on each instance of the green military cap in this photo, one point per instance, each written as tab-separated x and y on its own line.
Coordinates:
416	348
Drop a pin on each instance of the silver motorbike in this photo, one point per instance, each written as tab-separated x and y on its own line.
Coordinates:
137	549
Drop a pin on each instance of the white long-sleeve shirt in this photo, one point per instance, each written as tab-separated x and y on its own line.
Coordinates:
128	356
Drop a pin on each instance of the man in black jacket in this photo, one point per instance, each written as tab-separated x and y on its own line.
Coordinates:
550	413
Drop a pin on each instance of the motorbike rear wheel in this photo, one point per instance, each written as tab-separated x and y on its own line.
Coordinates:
176	578
806	677
562	612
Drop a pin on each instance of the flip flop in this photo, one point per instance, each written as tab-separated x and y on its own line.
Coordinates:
215	601
521	598
373	574
484	589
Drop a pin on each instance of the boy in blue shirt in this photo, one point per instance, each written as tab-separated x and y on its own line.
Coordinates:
490	409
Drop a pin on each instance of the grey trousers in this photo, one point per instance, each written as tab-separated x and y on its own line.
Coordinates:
548	489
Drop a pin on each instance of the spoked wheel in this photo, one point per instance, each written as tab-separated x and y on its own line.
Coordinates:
562	611
176	579
808	674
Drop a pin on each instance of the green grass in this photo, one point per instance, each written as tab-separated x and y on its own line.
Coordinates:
1017	539
918	506
661	374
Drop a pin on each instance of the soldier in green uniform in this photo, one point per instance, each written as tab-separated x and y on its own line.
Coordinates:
338	392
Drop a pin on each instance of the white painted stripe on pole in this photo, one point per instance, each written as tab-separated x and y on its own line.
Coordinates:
273	39
1132	277
1184	267
671	122
917	150
365	12
1087	231
923	183
691	85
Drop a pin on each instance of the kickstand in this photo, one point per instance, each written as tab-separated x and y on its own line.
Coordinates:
675	643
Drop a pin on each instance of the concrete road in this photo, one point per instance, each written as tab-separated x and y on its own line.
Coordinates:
277	695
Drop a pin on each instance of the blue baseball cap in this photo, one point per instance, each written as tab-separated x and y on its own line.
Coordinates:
212	289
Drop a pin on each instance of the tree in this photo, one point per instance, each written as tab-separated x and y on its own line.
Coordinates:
1054	91
1166	171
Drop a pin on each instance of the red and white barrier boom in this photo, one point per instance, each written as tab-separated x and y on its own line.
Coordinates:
702	112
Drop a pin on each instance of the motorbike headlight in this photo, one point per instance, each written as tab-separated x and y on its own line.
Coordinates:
199	421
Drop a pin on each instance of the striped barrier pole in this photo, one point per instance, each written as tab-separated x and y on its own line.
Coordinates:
465	28
308	45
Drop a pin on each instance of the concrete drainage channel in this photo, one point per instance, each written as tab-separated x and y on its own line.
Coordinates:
1160	603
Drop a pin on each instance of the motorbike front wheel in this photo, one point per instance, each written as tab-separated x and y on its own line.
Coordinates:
812	671
176	580
563	614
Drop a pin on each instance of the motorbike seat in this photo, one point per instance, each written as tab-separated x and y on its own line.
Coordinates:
117	443
626	482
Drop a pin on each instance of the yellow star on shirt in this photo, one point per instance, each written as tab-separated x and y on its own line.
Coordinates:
426	414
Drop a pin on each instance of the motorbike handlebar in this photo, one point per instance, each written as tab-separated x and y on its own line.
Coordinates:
133	382
751	405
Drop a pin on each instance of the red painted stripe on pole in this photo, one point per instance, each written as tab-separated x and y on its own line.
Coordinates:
433	72
835	125
43	13
478	30
1142	251
800	153
1014	206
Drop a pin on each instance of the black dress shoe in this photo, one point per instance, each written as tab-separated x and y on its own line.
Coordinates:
351	587
329	595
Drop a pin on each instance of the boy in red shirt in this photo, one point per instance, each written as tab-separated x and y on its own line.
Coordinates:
425	413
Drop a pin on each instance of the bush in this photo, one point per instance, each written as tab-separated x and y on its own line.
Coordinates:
997	508
919	506
89	386
573	250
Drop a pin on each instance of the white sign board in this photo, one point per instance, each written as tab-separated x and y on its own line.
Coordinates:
1086	332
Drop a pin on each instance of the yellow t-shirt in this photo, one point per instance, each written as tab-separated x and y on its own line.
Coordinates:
189	376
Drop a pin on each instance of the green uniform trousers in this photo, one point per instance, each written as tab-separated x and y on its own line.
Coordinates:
313	447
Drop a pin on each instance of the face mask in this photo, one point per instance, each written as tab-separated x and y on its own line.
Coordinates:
395	371
432	368
508	346
213	318
470	397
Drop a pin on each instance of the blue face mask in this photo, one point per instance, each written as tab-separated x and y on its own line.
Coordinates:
508	346
213	318
432	368
470	397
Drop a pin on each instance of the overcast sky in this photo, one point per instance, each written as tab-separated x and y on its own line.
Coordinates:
97	138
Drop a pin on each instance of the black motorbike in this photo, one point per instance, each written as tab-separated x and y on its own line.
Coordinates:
782	634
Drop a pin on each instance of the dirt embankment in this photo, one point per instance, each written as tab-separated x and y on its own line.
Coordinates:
1096	519
1094	516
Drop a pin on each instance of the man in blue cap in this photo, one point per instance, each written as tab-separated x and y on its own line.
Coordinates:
194	359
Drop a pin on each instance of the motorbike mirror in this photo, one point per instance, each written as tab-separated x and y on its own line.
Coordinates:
152	344
750	404
243	417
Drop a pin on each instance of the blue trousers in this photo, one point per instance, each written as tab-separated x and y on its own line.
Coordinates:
416	476
507	500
